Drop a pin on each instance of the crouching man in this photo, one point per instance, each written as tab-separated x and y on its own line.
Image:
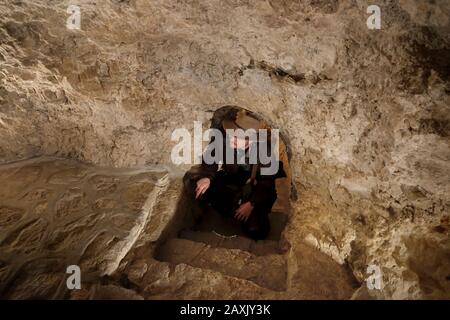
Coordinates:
241	189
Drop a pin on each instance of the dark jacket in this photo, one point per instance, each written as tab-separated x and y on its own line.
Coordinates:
261	193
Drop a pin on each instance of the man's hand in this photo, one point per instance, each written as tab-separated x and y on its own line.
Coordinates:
244	211
202	186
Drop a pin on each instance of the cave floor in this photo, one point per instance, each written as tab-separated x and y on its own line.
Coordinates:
110	222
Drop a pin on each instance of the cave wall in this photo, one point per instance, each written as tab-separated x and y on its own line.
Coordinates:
366	112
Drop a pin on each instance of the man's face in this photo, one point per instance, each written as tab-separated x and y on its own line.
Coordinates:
239	142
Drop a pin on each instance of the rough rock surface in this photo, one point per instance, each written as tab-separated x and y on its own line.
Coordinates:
366	114
56	213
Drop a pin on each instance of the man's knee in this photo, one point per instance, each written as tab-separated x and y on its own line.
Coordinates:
259	233
189	182
257	228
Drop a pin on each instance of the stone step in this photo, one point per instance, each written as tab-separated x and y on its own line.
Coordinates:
268	271
212	221
216	240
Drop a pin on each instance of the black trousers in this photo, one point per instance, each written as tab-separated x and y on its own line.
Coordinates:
225	196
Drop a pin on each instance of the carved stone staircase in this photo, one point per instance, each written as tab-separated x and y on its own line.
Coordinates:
218	244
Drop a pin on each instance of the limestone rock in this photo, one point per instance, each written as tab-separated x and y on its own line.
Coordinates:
75	224
365	114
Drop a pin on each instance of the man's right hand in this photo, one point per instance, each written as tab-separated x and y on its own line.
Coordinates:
202	186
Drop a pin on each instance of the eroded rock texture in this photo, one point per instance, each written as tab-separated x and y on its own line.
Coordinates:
57	213
365	112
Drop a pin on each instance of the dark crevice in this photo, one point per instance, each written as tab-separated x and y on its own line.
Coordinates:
273	71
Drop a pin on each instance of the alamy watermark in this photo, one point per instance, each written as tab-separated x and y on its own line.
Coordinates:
375	280
73	281
263	147
73	22
374	20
